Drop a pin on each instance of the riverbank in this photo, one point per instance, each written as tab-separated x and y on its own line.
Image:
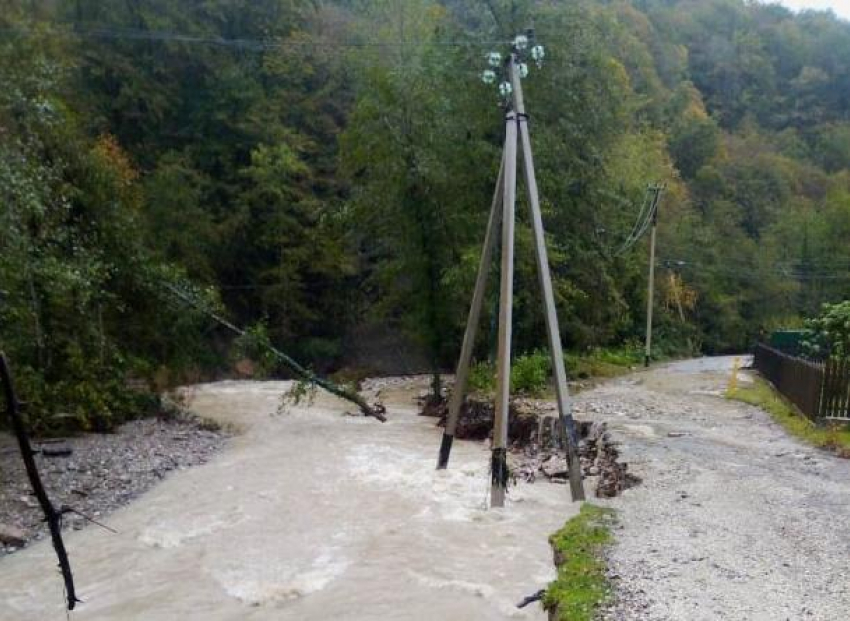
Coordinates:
96	473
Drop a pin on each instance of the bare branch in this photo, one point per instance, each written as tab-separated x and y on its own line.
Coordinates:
51	515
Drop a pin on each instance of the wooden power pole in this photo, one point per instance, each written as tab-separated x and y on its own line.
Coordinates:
502	213
650	296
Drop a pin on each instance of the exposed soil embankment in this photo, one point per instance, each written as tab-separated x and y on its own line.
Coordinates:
534	433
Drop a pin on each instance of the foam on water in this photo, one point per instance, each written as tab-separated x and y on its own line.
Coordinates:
174	531
277	584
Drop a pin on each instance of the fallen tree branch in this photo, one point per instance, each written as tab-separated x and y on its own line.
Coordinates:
51	515
301	372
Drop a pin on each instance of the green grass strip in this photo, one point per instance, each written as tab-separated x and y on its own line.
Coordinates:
581	587
834	437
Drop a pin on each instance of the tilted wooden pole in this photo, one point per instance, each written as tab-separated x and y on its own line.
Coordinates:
499	463
462	373
568	430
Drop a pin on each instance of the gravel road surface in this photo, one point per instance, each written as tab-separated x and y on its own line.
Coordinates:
735	519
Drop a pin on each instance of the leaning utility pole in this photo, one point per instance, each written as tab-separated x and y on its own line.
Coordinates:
650	296
503	213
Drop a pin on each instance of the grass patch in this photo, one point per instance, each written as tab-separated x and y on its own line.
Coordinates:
531	373
581	586
834	437
589	366
603	362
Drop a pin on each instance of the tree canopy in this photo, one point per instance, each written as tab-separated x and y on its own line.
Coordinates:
324	169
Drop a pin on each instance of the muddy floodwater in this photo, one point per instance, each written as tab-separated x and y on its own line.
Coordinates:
307	515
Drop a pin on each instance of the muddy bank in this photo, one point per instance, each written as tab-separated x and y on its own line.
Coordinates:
535	437
95	474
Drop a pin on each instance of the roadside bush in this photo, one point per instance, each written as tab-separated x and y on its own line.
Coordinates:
828	336
607	362
482	377
630	354
530	373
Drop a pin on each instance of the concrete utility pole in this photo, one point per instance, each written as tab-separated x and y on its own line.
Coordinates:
462	374
569	436
650	297
499	463
503	212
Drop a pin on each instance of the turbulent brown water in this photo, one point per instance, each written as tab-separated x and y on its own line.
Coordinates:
308	515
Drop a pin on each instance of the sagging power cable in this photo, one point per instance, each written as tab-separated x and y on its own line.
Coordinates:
644	220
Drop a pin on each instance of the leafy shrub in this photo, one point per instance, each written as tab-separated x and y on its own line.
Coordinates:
530	373
828	336
482	377
628	355
255	345
603	362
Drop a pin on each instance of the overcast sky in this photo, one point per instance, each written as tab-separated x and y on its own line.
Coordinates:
841	7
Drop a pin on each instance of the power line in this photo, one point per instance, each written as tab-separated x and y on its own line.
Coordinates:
755	271
256	45
641	219
647	212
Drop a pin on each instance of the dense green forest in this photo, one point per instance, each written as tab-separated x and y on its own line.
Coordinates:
322	170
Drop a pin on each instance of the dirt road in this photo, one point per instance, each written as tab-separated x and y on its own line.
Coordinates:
735	520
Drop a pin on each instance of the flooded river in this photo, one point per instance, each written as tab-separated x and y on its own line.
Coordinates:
306	515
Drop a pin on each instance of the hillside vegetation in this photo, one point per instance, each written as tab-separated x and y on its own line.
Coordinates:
319	169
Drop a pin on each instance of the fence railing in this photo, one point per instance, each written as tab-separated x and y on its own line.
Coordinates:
835	400
821	390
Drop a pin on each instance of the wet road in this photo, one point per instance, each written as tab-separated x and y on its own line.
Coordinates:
735	519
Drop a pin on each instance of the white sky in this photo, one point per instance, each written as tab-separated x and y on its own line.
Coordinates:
840	7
